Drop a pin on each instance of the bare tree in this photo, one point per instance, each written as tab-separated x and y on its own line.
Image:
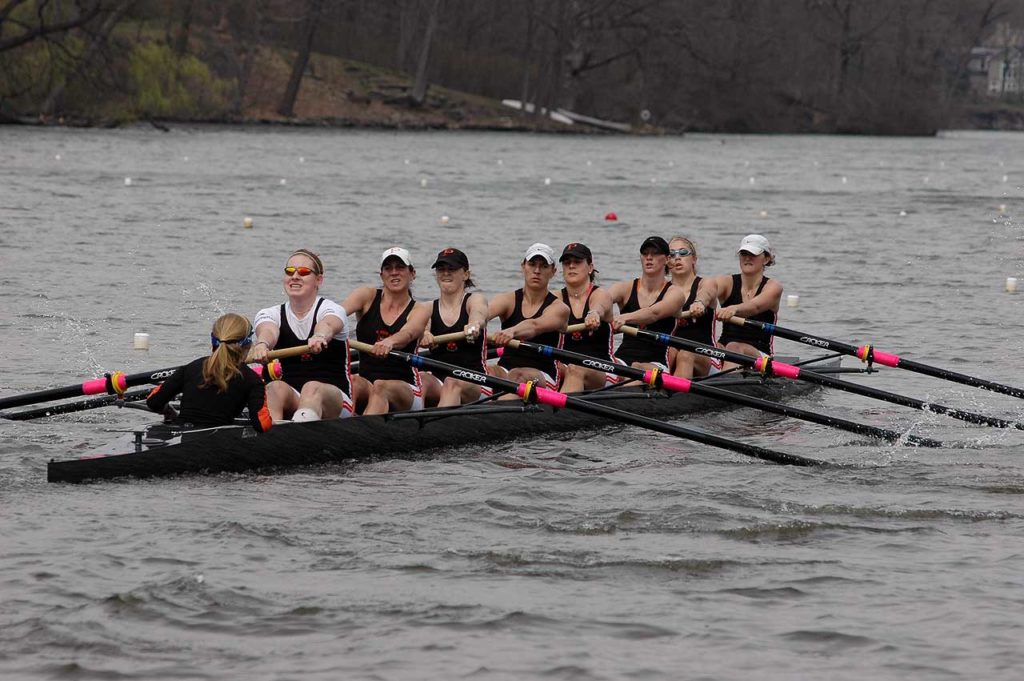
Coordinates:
419	88
291	91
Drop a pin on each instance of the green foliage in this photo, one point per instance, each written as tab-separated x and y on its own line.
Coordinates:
164	85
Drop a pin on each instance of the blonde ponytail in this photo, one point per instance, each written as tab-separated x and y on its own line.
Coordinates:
230	338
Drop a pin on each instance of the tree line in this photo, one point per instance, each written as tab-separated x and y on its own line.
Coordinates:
875	66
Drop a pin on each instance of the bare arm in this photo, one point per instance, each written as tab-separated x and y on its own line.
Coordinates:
478	313
267	334
600	309
707	295
501	306
666	307
767	299
411	331
359	301
553	318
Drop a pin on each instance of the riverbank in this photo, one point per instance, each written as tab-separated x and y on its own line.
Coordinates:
334	92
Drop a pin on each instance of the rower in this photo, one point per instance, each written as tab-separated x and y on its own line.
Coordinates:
530	313
316	385
215	389
456	310
700	303
649	302
591	305
389	319
751	295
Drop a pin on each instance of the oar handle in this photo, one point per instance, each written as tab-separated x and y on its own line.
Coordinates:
287	352
448	338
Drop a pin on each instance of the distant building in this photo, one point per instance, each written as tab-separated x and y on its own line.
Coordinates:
997	72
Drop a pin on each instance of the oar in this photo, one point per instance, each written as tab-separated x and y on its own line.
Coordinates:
768	366
659	379
113	383
869	354
533	394
80	405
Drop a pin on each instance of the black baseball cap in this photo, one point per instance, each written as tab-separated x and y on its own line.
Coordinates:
655	242
576	250
452	257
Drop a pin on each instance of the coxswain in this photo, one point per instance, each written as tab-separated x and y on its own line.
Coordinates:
530	313
216	389
591	305
751	295
317	384
456	310
648	302
389	319
698	324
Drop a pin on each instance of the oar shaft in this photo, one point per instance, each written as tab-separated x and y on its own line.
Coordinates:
868	353
81	405
770	367
677	384
555	399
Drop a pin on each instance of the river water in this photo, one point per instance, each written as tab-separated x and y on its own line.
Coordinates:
609	555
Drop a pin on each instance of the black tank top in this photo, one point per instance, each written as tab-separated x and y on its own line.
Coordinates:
330	366
593	343
634	349
512	359
460	353
743	334
700	330
371	329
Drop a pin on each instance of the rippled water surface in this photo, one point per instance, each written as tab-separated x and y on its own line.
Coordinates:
606	555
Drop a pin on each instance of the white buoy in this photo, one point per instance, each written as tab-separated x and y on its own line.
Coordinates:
1011	284
127	182
903	213
792	301
444	219
302	159
1002	209
500	162
57	157
752	180
247	223
844	179
406	161
1006	178
283	182
423	182
589	164
547	180
654	180
763	213
141	341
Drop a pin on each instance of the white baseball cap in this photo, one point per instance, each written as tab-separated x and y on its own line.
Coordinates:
396	252
756	244
543	250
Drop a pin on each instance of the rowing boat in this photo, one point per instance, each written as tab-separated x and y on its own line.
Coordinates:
165	449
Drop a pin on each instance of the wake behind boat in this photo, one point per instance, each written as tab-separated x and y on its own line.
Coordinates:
164	450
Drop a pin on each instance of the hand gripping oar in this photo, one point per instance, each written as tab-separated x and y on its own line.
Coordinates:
867	353
530	393
658	379
769	367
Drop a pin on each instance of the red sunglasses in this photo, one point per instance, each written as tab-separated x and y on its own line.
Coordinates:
301	271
